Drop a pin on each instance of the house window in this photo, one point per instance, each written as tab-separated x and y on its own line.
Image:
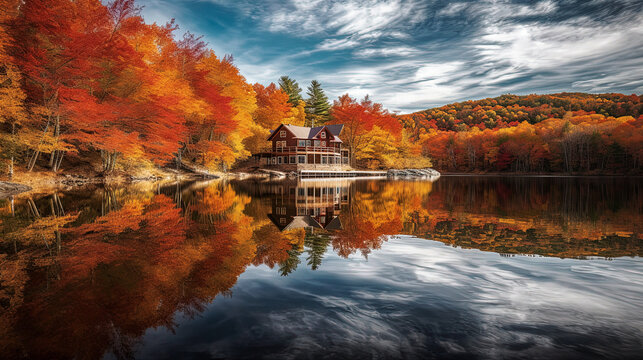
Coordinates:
324	160
274	160
282	133
323	135
282	221
292	159
308	143
323	143
279	159
302	159
316	142
302	143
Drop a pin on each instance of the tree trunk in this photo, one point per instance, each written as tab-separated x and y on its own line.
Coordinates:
13	150
113	161
33	159
58	161
52	159
54	154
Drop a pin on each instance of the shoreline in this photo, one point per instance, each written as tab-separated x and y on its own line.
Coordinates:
46	181
545	175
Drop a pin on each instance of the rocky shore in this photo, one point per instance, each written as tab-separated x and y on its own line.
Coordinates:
8	188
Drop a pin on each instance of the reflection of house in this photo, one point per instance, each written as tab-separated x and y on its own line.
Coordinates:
314	204
301	148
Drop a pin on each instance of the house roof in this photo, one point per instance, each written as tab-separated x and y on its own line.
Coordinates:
295	222
334	224
302	132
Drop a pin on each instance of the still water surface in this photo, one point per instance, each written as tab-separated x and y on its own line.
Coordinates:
464	267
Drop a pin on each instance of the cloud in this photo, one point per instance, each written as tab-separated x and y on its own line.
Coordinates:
349	18
387	51
337	44
434	71
411	55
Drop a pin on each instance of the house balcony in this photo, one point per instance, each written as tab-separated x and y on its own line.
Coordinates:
295	158
293	150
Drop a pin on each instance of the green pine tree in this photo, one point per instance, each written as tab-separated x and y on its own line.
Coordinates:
316	244
289	265
290	87
317	105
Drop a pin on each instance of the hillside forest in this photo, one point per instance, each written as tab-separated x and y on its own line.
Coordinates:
87	86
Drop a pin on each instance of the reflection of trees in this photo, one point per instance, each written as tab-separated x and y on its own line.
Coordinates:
109	263
316	243
126	261
491	237
291	262
377	209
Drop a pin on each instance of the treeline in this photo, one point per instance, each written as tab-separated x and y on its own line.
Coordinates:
571	133
511	110
86	83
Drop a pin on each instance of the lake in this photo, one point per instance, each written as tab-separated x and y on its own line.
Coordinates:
463	267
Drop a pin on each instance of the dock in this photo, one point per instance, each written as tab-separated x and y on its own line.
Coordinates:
317	174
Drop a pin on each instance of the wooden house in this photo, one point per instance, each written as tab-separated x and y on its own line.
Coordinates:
305	148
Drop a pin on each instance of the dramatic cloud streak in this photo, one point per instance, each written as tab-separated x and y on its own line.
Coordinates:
411	55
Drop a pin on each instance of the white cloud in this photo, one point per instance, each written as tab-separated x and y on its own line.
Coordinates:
358	18
337	44
439	70
387	51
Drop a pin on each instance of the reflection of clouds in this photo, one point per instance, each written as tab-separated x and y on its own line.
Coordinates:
418	298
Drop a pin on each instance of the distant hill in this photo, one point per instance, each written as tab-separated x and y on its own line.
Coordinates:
510	110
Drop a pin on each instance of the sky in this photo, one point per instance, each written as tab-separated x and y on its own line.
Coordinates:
411	55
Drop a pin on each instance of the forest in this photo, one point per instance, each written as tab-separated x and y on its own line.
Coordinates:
87	87
567	132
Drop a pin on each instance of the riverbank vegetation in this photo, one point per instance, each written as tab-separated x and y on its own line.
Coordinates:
91	89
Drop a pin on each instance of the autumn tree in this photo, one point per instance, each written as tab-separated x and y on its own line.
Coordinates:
12	103
359	118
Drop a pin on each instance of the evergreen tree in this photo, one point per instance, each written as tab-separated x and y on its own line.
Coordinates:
316	245
317	105
289	265
290	87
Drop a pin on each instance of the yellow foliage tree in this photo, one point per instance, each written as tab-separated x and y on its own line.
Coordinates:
12	109
296	115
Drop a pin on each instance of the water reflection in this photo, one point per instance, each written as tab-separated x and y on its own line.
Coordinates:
87	272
